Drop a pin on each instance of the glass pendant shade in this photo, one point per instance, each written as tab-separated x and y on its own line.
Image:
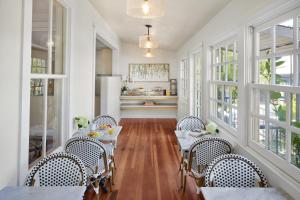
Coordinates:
147	9
148	53
148	42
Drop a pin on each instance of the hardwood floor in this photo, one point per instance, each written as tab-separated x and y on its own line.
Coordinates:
147	160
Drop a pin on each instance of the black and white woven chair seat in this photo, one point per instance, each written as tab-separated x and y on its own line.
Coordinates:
233	170
59	169
92	152
105	120
201	153
190	123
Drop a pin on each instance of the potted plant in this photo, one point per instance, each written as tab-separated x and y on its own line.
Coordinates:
81	122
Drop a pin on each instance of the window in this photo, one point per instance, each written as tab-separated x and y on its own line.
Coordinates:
275	92
224	86
184	74
197	84
47	78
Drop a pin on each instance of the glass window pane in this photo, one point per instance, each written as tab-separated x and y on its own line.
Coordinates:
284	70
295	153
226	94
265	75
219	92
230	53
36	121
265	42
223	73
58	37
234	95
278	105
262	132
277	140
234	117
263	102
223	54
216	56
39	46
295	110
226	114
230	72
284	36
236	72
54	101
219	111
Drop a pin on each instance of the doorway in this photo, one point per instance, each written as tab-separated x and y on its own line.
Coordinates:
103	67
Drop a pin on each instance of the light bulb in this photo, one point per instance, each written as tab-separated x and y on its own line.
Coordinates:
148	44
146	8
148	53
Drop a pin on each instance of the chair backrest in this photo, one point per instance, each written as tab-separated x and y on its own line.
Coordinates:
105	119
233	170
205	150
190	123
59	169
90	151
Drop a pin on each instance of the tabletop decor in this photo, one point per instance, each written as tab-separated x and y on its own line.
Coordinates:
212	128
81	122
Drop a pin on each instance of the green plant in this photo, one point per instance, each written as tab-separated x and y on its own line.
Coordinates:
81	122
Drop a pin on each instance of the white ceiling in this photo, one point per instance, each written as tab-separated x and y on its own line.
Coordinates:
183	18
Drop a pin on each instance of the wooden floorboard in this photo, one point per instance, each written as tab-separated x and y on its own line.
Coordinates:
147	160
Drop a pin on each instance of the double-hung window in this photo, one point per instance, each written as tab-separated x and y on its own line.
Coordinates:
224	86
275	91
47	78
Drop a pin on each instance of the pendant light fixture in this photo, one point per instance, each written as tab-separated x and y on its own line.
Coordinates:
147	9
149	53
148	41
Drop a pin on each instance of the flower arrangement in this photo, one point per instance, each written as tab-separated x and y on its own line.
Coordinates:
81	122
212	128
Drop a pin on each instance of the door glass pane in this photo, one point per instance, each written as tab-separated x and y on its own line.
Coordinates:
54	118
58	37
223	72
223	54
40	28
277	105
277	140
284	36
262	102
230	53
36	120
295	111
230	71
219	111
295	157
265	42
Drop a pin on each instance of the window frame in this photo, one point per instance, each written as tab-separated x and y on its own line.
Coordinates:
255	87
213	99
198	102
27	75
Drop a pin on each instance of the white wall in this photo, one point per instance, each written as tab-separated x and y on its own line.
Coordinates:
131	53
233	20
82	91
10	54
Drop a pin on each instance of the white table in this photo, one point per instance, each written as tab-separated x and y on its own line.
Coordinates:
186	141
216	193
42	193
113	138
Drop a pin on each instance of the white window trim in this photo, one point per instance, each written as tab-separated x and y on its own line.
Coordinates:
232	38
184	79
199	52
23	169
276	17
